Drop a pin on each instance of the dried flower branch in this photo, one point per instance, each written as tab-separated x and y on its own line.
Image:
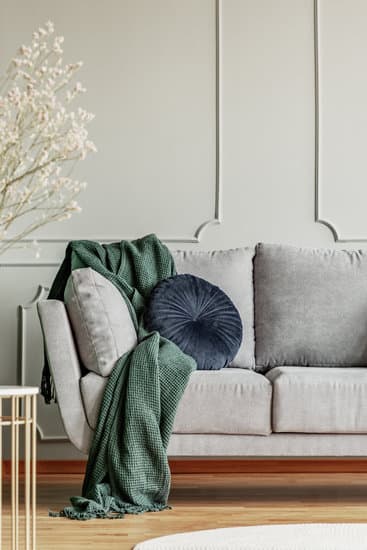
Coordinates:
41	138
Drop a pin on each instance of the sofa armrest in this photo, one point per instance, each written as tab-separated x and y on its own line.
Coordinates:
65	368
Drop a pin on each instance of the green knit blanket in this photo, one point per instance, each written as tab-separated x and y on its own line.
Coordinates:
127	469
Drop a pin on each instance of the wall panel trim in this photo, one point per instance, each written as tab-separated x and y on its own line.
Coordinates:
217	215
318	216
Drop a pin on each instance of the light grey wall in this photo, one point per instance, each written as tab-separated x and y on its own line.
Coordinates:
153	69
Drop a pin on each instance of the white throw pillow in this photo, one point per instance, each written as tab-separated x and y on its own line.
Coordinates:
100	319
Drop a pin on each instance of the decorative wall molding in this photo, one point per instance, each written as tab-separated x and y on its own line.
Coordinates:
319	218
40	294
26	377
217	216
217	219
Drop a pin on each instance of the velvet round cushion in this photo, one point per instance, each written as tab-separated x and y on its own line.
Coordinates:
198	317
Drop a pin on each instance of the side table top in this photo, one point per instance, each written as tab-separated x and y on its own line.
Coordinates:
8	391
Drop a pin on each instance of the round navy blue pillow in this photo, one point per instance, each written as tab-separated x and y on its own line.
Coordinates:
198	317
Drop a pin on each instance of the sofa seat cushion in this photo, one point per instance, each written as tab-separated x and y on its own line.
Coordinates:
319	400
229	401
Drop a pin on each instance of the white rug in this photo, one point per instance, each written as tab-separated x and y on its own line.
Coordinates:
314	536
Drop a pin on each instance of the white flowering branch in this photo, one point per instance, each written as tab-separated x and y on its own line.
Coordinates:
41	138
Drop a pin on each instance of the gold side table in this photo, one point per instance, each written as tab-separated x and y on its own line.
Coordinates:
23	401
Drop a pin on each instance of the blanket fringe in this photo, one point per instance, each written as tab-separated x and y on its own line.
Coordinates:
104	507
71	512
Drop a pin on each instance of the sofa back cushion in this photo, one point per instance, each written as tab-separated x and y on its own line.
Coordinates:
310	306
232	271
100	319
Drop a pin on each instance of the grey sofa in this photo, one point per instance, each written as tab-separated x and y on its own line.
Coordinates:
298	385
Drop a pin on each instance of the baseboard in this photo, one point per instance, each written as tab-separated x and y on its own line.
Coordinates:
218	466
268	465
50	467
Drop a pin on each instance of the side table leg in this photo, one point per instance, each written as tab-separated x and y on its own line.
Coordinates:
1	469
34	465
27	470
17	416
14	472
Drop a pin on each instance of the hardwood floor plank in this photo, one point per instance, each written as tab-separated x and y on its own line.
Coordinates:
203	501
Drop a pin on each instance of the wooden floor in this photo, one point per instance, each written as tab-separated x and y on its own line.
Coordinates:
203	502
